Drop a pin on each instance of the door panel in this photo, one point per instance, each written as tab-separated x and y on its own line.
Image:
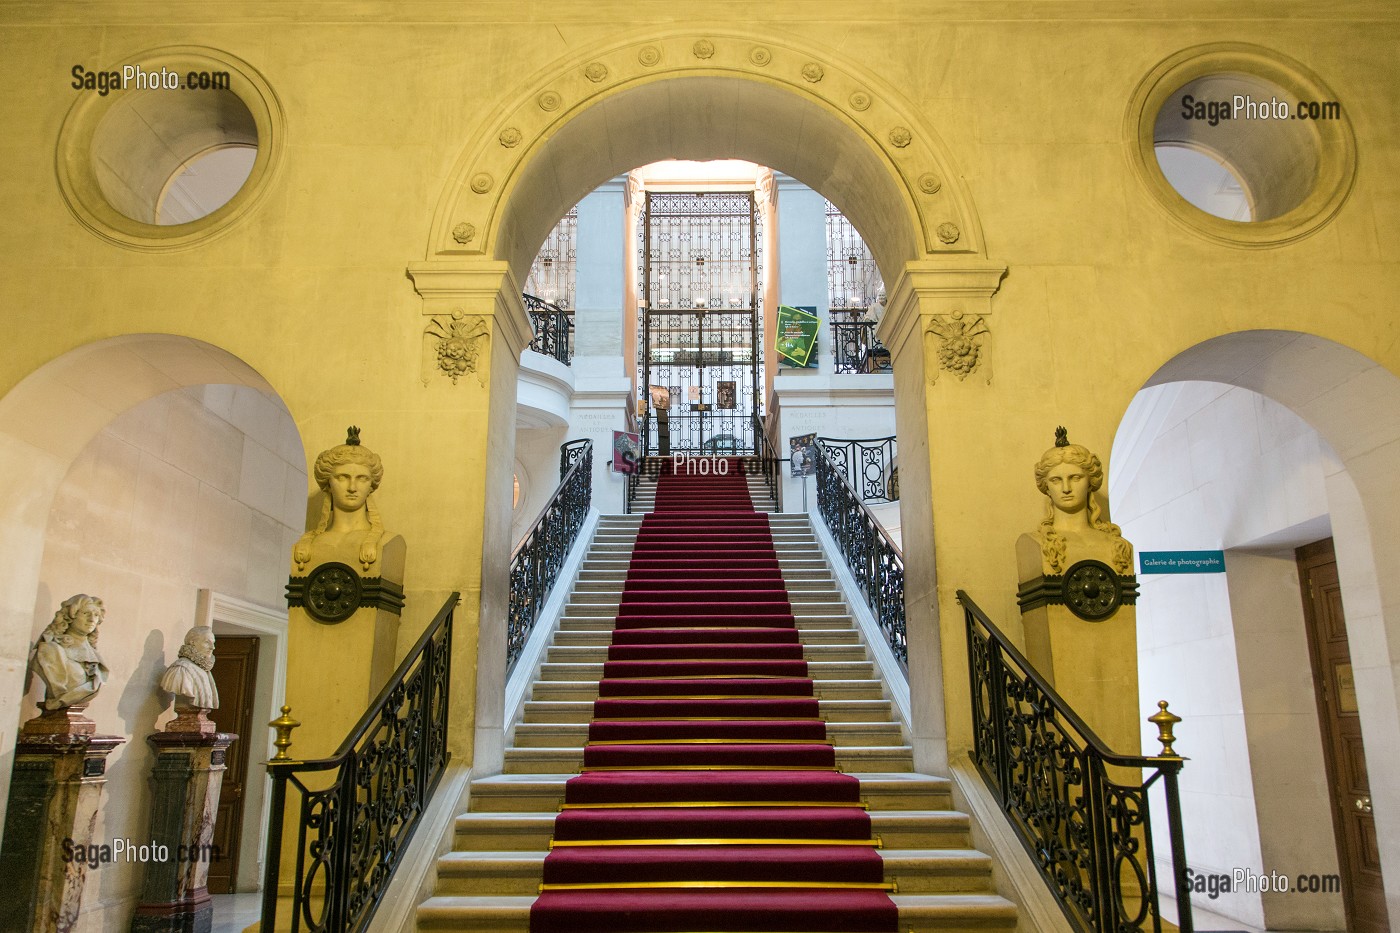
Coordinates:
235	674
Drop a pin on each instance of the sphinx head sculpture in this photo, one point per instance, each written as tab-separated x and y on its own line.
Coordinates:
65	658
1069	475
348	475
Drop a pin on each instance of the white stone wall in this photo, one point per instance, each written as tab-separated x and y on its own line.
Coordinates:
201	487
1205	466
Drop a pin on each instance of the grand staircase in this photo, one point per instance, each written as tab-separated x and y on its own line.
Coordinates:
708	800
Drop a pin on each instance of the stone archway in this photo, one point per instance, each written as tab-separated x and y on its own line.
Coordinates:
698	94
46	422
1353	404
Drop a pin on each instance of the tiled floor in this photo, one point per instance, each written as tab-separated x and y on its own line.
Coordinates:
233	913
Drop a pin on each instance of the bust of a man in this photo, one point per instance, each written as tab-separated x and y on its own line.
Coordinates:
189	678
1074	527
65	658
349	528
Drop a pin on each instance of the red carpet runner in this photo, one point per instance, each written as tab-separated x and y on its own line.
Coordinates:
709	799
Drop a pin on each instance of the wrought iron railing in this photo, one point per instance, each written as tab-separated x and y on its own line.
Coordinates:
855	347
353	831
769	463
871	465
554	329
1088	830
541	554
875	561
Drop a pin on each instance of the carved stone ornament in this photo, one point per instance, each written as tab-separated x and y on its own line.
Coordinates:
453	346
901	137
464	233
703	48
948	232
812	73
595	72
930	183
482	182
549	101
860	100
510	137
960	350
648	56
760	55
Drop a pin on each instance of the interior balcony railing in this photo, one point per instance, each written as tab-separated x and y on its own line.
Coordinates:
541	554
770	463
1081	811
875	561
854	344
553	327
355	812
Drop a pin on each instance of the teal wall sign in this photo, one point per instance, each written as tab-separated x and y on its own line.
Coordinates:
1181	561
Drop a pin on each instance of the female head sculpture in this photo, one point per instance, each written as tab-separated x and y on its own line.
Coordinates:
1069	475
65	658
348	475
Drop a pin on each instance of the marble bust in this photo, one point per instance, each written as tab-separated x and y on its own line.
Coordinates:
65	658
349	528
1074	527
189	678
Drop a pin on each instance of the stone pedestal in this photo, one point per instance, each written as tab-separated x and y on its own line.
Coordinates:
335	668
185	784
56	788
1093	665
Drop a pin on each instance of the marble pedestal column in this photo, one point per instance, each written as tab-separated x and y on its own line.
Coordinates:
60	770
186	780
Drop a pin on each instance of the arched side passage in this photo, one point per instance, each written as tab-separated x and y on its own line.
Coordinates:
46	421
1353	403
703	94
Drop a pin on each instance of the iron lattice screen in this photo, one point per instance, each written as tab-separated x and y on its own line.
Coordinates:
700	337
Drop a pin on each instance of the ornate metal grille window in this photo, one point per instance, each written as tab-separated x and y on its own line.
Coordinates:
855	295
553	275
699	335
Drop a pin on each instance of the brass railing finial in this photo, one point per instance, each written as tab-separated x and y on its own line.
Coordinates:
1165	722
284	725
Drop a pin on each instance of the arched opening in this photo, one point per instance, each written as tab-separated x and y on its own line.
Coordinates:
1260	445
166	477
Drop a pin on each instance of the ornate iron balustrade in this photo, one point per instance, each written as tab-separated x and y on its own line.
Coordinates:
1089	834
353	831
538	559
869	466
854	345
554	329
875	561
769	463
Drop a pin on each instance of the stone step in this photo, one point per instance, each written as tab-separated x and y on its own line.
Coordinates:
824	689
817	670
832	709
618	575
597	653
544	793
596	634
518	874
573	735
896	829
800	606
604	590
855	758
947	913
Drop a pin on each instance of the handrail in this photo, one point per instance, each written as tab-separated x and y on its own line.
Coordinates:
1087	833
769	463
875	561
869	465
553	327
353	833
535	562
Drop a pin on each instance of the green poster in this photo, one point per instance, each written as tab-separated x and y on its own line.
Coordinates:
797	336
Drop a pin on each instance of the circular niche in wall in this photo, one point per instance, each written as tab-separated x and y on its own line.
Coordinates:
1242	144
181	144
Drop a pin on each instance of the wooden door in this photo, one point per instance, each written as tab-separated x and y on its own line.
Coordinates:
1347	781
235	674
